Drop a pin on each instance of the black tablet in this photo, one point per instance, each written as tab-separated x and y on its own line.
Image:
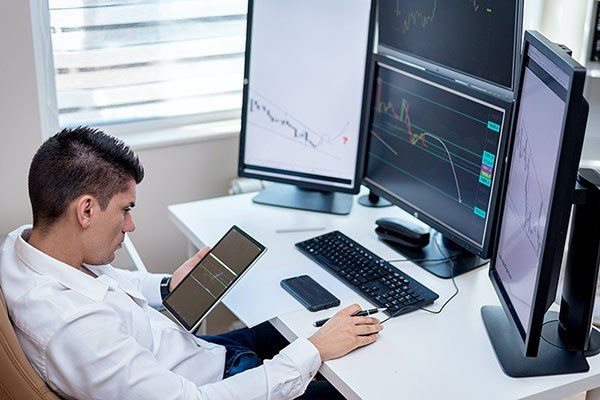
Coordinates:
213	277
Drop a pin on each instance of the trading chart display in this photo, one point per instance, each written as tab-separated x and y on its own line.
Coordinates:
531	178
476	37
435	149
305	84
199	291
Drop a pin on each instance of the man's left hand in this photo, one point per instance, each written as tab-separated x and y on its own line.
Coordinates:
186	267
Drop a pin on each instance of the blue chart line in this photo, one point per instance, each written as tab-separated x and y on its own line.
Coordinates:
426	149
470	207
435	102
531	212
298	131
417	139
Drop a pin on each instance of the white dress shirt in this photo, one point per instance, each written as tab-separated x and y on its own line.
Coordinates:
99	338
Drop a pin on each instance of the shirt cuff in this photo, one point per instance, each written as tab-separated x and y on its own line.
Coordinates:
306	357
151	289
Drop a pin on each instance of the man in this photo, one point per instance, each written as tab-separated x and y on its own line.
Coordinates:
89	330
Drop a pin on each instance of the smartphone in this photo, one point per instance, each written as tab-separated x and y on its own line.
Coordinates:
309	293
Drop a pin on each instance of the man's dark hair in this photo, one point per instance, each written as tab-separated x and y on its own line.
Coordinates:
75	162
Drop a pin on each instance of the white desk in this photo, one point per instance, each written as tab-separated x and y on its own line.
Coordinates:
418	355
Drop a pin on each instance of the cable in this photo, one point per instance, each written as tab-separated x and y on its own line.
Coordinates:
448	258
456	291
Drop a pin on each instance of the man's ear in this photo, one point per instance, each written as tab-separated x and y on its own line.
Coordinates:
86	207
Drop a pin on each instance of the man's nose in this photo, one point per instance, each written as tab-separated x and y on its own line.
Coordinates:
129	224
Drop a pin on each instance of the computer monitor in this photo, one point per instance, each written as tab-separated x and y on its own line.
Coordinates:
477	42
549	127
436	149
306	63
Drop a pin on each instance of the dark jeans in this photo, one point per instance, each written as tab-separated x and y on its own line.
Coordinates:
247	348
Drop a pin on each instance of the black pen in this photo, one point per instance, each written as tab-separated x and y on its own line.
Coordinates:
361	313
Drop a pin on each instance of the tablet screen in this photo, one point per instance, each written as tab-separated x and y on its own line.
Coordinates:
208	282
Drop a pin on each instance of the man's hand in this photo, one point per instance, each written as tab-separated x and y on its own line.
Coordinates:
344	333
186	267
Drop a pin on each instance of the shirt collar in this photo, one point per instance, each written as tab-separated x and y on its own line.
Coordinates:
110	276
66	275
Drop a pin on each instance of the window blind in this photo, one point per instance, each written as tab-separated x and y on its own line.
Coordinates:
119	61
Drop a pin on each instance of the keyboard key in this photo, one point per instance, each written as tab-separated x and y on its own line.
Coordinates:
370	276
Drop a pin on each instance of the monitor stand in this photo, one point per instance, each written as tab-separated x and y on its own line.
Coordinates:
372	200
451	259
290	196
552	358
567	338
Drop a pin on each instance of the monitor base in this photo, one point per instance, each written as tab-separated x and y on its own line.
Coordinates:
453	259
550	334
551	360
374	201
311	200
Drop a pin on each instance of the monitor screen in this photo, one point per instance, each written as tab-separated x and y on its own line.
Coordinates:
305	79
476	37
434	149
536	152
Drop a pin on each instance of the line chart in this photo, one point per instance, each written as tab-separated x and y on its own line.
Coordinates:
475	4
386	144
531	209
434	147
297	130
417	139
213	277
422	18
472	37
414	18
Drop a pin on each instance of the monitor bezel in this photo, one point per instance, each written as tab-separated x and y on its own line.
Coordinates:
483	250
560	205
494	88
360	159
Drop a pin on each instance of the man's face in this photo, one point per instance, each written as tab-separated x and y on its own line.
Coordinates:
108	230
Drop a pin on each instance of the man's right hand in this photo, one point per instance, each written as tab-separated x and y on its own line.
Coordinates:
344	333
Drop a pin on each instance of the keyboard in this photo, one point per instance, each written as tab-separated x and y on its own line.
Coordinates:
369	275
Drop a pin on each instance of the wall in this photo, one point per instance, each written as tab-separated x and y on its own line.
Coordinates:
176	175
591	146
20	126
563	21
554	22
